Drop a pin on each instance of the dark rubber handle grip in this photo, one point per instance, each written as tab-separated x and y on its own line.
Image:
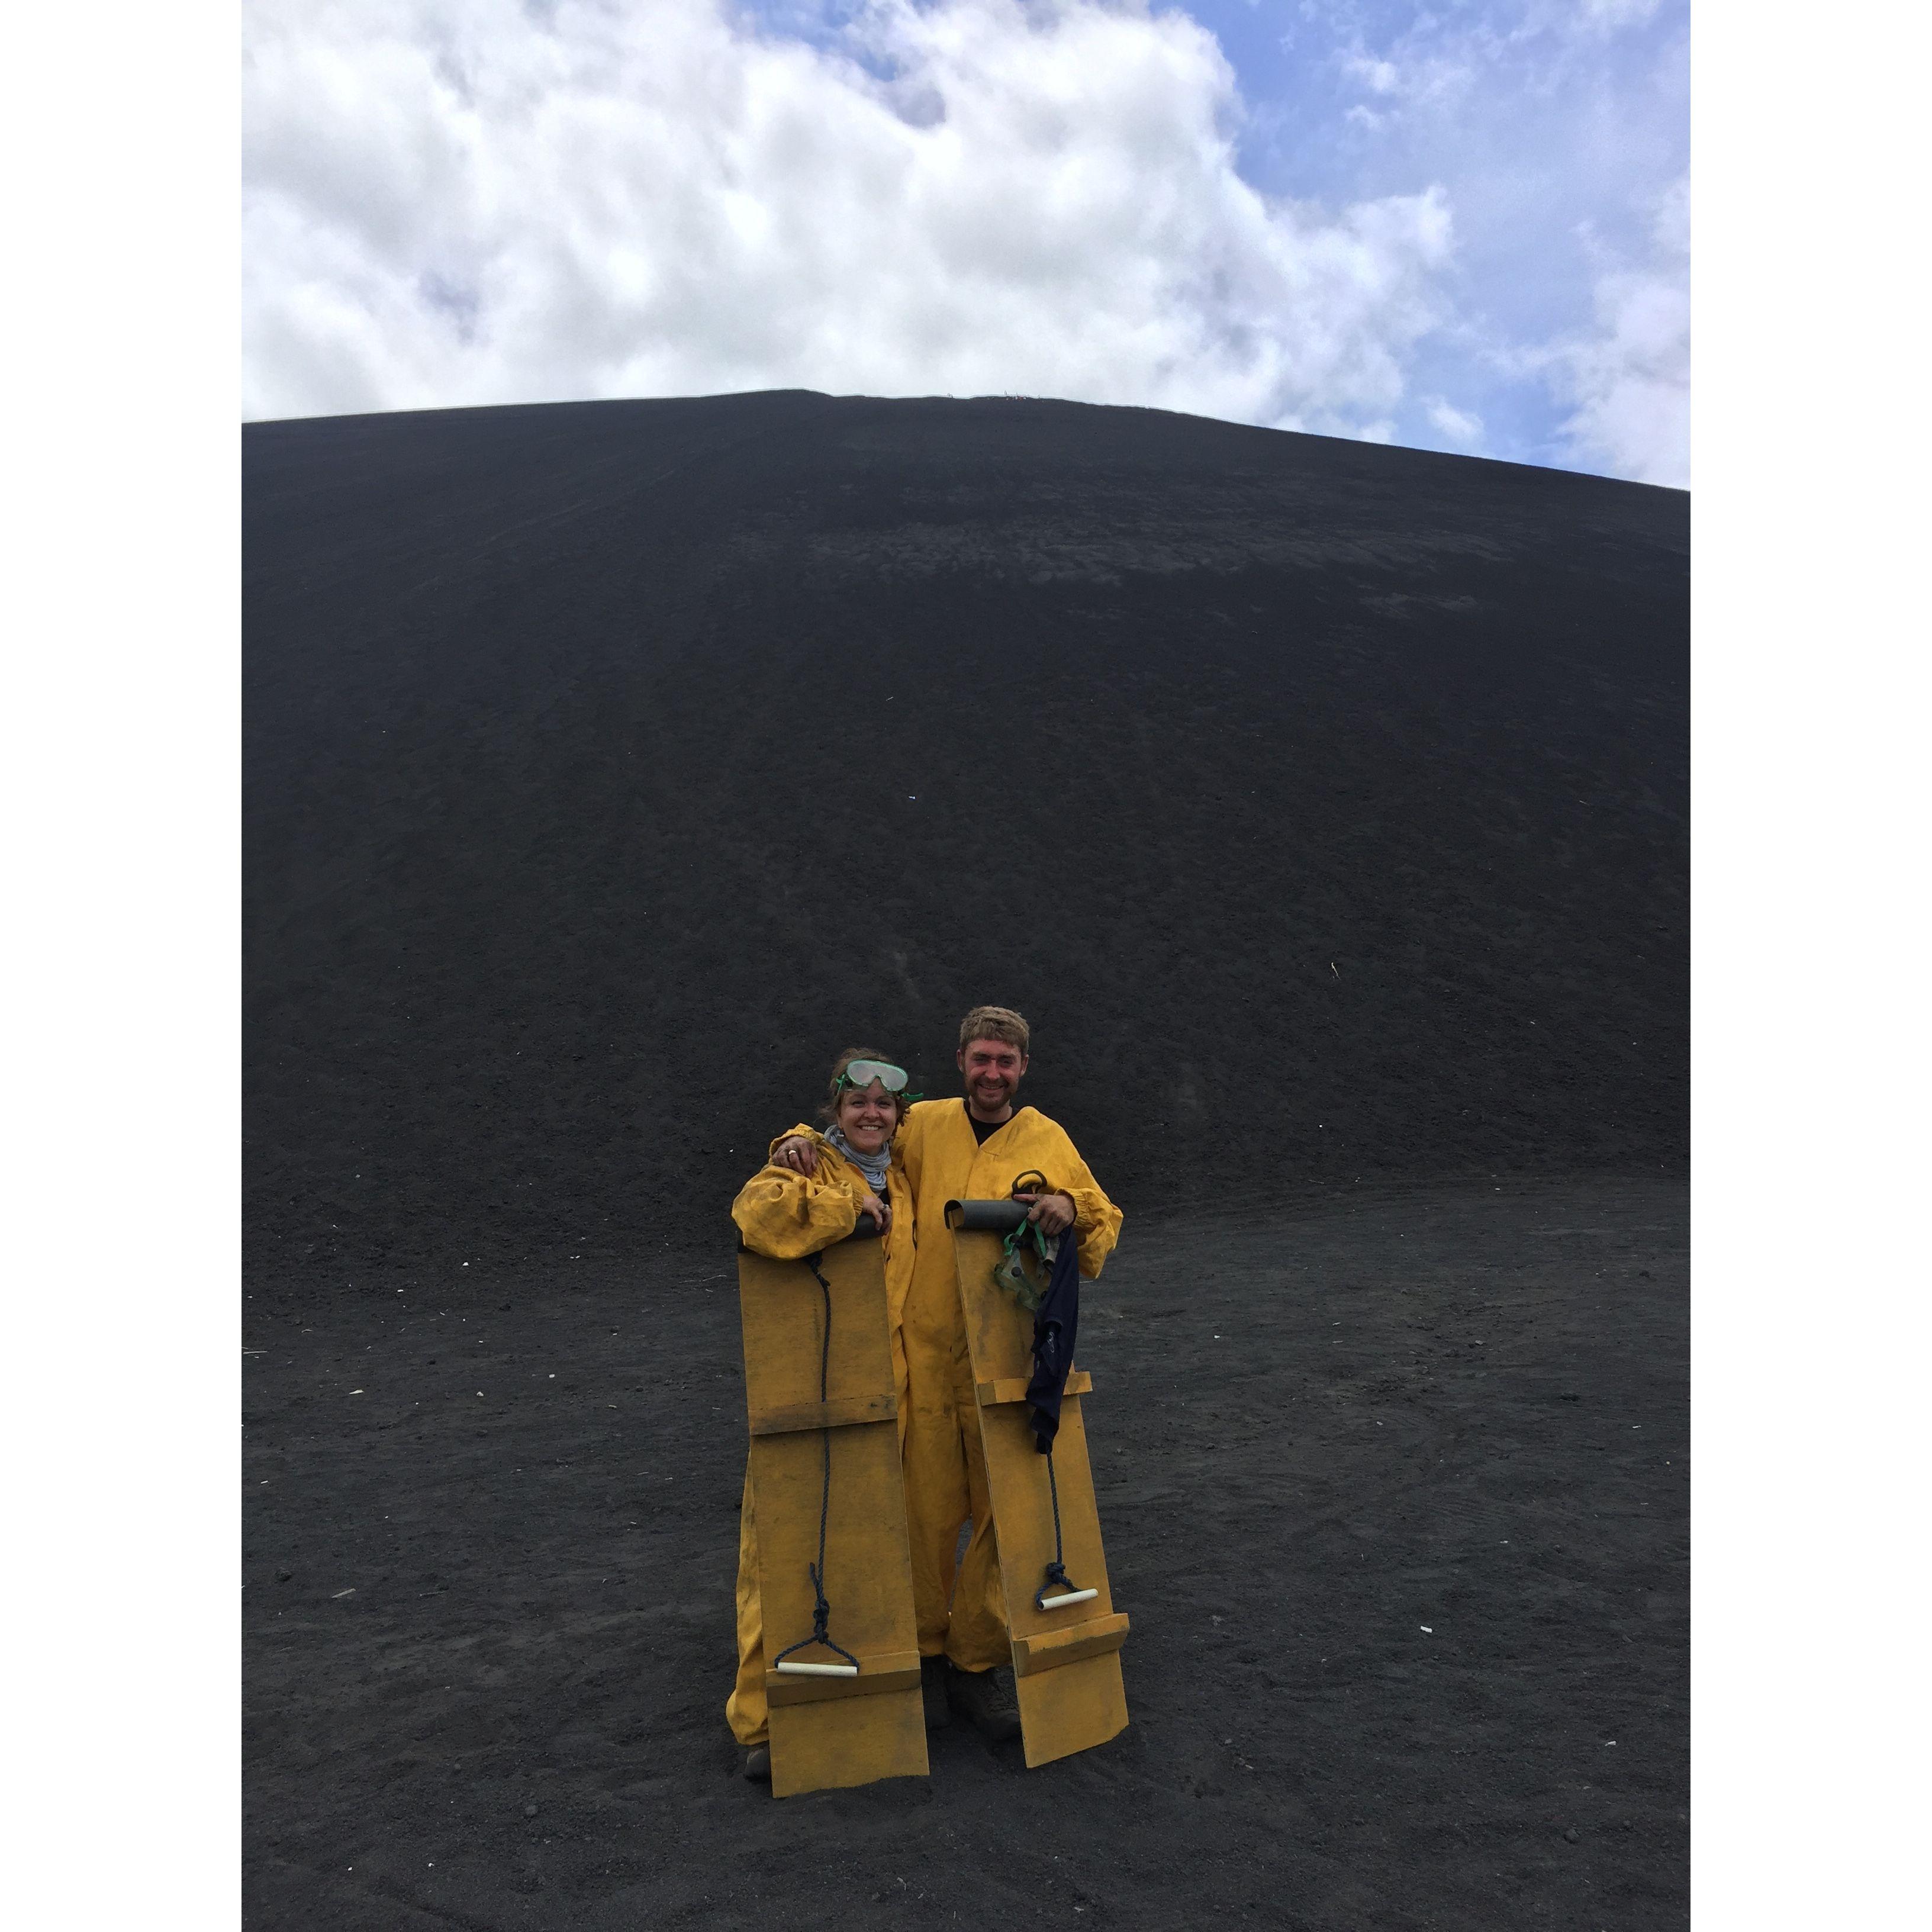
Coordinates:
986	1217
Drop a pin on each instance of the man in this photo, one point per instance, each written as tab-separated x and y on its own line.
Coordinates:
973	1149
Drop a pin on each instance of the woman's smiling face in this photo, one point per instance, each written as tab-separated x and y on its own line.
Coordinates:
868	1117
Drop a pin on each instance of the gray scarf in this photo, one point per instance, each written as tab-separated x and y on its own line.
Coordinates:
873	1166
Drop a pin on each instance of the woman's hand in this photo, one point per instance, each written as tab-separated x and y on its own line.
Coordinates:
879	1211
796	1152
1052	1213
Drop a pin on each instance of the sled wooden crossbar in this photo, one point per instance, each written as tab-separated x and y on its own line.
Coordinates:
894	1671
839	1413
1013	1388
1094	1638
835	1451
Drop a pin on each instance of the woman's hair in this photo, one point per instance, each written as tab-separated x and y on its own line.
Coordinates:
829	1113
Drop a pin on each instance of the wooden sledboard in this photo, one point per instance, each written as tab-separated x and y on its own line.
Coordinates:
826	1731
1066	1662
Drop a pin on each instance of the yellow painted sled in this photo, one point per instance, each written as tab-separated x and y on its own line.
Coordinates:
1066	1635
835	1573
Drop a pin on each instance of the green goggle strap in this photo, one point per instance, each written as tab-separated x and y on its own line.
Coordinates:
1018	1238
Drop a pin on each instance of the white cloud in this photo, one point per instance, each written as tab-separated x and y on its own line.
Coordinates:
1379	76
1433	70
472	201
1630	379
1558	126
1459	427
1614	14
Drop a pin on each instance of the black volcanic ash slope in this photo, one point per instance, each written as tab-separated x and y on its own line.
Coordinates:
611	766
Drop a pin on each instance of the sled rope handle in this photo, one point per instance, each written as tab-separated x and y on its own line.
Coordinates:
1056	1570
821	1610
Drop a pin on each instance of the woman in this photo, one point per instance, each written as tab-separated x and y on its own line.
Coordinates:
788	1215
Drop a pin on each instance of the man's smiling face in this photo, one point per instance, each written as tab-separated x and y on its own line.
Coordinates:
993	1068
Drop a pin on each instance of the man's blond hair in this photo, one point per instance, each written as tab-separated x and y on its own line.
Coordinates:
996	1023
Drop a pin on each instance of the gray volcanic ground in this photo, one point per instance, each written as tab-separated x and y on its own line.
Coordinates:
488	1612
609	768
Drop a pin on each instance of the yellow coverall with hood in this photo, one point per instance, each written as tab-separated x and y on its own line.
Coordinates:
939	1416
788	1216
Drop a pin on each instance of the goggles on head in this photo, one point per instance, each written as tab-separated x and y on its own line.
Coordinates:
863	1072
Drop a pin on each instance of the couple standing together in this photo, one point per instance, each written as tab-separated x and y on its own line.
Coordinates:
883	1152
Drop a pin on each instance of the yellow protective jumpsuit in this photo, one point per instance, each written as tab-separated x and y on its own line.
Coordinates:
788	1215
939	1416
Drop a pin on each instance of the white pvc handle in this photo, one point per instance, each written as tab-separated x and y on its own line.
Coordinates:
1057	1603
834	1669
